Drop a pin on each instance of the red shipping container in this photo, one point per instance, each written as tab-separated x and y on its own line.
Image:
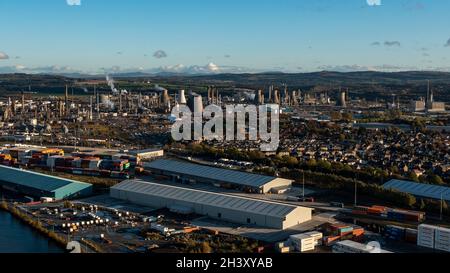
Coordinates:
358	232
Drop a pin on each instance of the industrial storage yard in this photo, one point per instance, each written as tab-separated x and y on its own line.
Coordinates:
170	205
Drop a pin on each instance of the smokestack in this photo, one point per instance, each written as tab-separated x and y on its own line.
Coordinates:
294	100
66	101
259	97
270	94
430	93
285	95
23	103
276	97
90	108
217	97
209	95
120	102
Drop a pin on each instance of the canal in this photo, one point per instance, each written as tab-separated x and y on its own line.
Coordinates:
16	237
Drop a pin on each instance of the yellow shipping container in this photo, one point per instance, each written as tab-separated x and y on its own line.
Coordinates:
53	152
6	156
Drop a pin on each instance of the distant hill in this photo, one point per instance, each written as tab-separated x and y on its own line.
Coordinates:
323	77
308	79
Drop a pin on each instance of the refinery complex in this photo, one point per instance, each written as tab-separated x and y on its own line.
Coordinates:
105	158
221	136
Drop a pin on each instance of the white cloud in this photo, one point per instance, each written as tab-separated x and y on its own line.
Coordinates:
20	67
213	67
374	2
3	56
55	69
73	2
345	68
359	68
160	54
194	69
392	43
448	43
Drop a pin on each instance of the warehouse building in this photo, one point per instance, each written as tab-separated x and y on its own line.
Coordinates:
235	209
419	190
194	173
40	185
147	154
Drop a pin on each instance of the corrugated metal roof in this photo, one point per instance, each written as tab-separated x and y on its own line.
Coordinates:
207	198
35	180
217	174
419	189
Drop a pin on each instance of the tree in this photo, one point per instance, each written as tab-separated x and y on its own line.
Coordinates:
347	116
413	177
325	165
291	161
410	200
394	170
311	163
206	248
336	116
422	205
435	179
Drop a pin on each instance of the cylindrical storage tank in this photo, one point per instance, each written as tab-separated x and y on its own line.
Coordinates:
104	99
198	104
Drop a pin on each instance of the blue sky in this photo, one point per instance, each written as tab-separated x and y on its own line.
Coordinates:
230	36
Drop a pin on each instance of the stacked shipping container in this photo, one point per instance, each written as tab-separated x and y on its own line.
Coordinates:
78	163
442	239
426	236
303	242
389	213
339	232
434	237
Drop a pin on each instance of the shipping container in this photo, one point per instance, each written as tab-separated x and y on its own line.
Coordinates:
302	242
330	240
358	232
426	235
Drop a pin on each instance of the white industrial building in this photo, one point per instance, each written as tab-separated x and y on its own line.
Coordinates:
195	173
147	154
220	206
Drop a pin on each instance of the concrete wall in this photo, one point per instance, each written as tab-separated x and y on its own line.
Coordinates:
73	190
24	190
278	182
298	216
